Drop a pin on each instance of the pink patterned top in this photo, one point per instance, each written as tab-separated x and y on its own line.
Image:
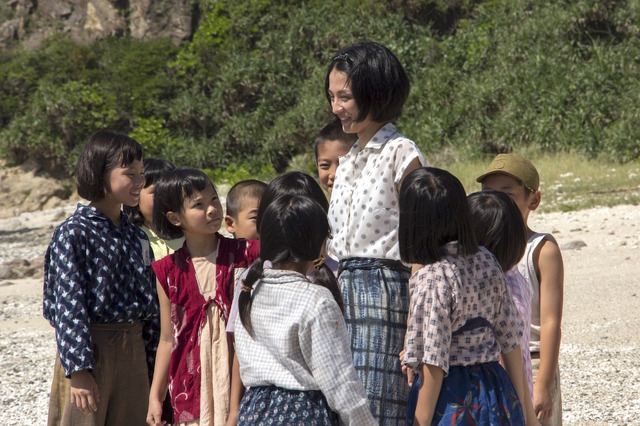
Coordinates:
448	293
521	293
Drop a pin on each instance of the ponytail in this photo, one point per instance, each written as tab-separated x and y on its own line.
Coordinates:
245	300
324	277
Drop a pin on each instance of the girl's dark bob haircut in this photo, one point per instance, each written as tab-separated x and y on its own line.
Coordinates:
172	189
498	226
379	84
291	183
153	168
104	151
294	229
433	212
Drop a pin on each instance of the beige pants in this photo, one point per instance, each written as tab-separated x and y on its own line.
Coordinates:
121	375
556	394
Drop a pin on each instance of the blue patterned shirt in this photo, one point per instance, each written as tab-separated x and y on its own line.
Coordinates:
98	273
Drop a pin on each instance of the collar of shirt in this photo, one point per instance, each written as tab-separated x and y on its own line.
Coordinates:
378	140
96	216
281	276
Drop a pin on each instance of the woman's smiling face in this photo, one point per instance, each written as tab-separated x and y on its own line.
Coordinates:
344	106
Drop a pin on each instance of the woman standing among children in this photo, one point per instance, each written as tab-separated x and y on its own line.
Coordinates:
99	293
499	228
195	286
291	341
462	314
366	87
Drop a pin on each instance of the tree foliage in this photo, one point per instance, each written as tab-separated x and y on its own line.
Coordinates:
246	92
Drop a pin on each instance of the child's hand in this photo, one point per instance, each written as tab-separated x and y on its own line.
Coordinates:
154	414
542	402
405	370
84	392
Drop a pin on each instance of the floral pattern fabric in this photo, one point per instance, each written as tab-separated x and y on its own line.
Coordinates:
98	273
270	405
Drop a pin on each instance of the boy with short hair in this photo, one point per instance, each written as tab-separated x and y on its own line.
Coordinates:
331	144
543	269
242	208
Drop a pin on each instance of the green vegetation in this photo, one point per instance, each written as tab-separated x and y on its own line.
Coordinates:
568	182
245	95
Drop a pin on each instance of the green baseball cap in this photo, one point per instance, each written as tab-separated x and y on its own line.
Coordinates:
517	167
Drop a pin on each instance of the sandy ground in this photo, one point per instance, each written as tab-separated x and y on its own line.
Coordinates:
599	360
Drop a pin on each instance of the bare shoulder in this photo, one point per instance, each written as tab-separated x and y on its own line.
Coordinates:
548	263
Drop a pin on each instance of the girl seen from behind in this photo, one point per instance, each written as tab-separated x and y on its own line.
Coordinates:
99	293
366	87
291	341
499	228
462	316
195	286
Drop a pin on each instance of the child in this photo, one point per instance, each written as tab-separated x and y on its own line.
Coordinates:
99	293
195	286
290	183
543	269
462	315
291	341
366	87
500	229
142	214
332	143
242	208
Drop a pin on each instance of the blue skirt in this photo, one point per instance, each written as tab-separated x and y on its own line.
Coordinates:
271	405
480	394
376	302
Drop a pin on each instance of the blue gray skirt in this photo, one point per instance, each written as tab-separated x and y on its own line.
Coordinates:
479	394
376	302
271	405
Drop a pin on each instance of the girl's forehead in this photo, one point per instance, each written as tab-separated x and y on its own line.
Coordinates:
207	190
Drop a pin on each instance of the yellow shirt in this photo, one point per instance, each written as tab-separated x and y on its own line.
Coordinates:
160	247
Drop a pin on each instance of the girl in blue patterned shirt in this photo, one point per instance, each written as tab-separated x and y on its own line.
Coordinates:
99	293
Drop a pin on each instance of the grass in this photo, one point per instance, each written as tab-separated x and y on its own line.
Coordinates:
568	182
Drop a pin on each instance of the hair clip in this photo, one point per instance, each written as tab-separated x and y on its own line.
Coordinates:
318	262
342	57
246	288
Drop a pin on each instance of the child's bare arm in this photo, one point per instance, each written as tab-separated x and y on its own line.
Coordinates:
550	270
513	365
163	356
237	392
428	397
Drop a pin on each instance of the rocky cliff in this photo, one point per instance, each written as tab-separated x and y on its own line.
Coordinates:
28	22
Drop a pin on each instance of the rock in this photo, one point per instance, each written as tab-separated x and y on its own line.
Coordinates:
89	20
19	268
10	31
573	245
23	190
55	9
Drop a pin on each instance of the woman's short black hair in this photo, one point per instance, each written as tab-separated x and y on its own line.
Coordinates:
153	168
498	226
291	183
378	82
294	229
104	151
433	212
172	188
